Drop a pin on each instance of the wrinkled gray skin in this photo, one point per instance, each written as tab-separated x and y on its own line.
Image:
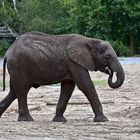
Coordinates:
37	59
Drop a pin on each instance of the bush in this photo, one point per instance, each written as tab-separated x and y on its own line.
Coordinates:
4	45
120	48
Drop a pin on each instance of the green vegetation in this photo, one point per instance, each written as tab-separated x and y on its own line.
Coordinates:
117	21
100	82
120	48
3	47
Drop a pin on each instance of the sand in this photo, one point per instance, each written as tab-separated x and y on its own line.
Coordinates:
121	106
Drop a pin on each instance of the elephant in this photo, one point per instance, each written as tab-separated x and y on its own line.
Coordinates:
36	59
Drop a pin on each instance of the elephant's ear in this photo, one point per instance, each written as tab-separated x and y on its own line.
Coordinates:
80	53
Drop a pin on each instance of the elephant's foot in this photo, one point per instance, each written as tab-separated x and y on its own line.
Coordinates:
100	118
59	119
25	117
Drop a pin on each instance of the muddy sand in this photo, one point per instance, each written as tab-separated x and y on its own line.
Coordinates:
121	106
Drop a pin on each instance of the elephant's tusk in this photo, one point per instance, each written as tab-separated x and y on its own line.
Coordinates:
107	71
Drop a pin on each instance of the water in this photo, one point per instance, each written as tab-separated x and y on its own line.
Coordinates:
1	62
129	60
123	60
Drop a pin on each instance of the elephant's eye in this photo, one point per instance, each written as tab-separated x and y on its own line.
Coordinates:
108	56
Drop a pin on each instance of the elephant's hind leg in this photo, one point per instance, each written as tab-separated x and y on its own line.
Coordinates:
5	103
66	92
21	88
24	114
21	92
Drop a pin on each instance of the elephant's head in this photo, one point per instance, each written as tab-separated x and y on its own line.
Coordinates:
96	55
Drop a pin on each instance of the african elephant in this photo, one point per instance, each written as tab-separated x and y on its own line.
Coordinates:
36	59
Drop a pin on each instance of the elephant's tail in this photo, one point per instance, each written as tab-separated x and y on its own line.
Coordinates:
4	69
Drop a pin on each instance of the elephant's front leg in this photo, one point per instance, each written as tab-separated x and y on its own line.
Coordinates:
85	84
67	88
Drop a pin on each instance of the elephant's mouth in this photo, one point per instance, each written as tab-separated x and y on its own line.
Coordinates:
108	71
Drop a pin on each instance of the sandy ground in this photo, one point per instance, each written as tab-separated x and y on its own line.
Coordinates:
121	106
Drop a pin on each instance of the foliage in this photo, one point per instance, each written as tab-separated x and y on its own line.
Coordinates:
120	48
124	16
100	83
45	16
3	47
117	21
108	19
7	14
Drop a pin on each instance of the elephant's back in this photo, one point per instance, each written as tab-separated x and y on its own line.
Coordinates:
33	56
35	45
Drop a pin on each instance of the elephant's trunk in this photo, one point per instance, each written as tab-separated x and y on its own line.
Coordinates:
116	68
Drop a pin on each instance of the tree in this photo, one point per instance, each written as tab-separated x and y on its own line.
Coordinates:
125	20
89	18
7	14
48	16
115	20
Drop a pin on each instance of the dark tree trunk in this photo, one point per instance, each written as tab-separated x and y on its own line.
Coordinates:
20	19
21	27
132	43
